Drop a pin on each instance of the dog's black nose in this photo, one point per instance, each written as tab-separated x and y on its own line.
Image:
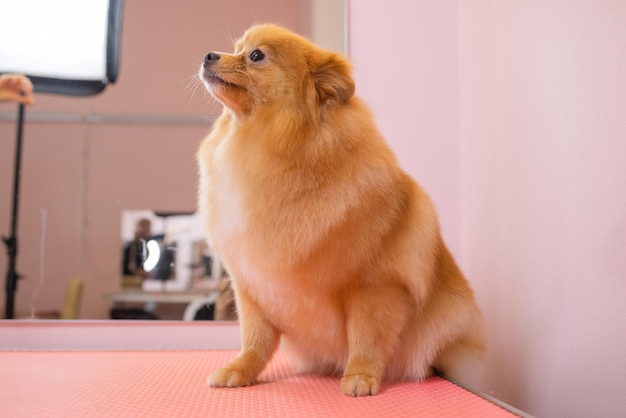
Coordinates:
210	58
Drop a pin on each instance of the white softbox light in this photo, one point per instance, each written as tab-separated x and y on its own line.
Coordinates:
66	47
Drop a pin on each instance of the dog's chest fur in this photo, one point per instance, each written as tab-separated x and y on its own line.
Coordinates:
259	235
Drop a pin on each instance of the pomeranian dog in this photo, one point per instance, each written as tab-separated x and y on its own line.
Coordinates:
333	250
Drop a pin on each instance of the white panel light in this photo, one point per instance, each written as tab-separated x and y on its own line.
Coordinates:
64	46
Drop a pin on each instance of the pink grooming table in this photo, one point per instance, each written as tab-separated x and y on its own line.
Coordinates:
172	383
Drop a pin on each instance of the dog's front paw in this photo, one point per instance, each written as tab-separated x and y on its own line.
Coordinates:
360	385
227	378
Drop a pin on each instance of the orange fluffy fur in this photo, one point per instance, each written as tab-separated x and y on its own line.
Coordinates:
332	248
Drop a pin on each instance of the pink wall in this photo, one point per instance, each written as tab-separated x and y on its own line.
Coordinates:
410	82
83	175
536	94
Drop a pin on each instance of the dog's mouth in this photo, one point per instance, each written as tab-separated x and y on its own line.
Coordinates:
213	79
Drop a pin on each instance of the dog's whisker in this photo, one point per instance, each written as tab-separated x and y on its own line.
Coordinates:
229	34
192	82
193	92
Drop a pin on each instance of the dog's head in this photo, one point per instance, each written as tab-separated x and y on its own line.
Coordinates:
272	67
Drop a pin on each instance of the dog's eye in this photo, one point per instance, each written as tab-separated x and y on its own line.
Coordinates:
256	55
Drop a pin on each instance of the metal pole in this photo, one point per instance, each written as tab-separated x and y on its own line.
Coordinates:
11	241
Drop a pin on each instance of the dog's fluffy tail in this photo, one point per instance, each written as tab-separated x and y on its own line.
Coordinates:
463	363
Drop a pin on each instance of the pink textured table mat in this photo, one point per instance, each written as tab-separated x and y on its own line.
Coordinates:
173	384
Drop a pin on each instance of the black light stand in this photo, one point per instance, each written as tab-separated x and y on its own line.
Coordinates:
11	240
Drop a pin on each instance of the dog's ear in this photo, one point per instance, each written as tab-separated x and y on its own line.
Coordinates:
332	78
